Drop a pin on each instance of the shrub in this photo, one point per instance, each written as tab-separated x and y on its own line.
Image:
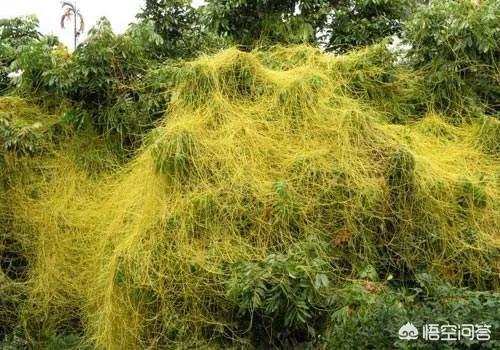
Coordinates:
457	43
109	78
352	24
282	299
21	140
14	33
181	27
439	302
34	61
368	316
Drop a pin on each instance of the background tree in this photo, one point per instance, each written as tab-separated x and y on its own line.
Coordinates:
336	25
250	21
181	27
354	23
108	79
19	29
14	33
71	11
457	42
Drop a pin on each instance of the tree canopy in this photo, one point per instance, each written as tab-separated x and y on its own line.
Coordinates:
338	25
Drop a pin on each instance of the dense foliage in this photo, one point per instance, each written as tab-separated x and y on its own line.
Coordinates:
363	314
350	24
248	22
283	299
106	78
337	25
14	33
181	27
369	315
157	191
458	43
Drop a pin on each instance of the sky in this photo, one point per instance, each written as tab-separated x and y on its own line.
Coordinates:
119	12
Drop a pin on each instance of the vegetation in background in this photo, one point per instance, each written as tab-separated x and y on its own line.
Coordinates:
14	33
352	24
106	79
457	43
338	25
182	28
249	22
72	12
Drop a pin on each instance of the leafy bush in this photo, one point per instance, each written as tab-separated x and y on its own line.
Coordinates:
19	29
337	25
102	65
34	60
181	27
109	77
112	80
253	21
368	316
350	24
25	52
282	298
286	307
438	302
22	140
14	32
457	43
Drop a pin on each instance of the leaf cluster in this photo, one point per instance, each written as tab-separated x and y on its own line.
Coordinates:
281	299
457	42
14	32
182	28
